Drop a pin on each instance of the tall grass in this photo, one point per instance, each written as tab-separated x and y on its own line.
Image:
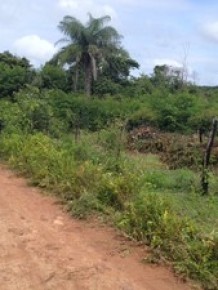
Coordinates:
141	195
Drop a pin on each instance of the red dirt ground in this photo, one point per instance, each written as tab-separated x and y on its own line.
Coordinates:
43	248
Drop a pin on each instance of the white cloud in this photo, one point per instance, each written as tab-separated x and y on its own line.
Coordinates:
35	48
81	8
108	10
68	4
211	30
161	4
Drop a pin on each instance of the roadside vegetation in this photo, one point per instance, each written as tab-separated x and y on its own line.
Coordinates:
110	144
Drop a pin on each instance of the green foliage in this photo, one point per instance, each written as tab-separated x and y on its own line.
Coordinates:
90	114
105	87
10	116
12	60
141	86
53	77
150	218
143	200
174	111
14	74
30	112
181	180
202	119
113	138
135	100
144	116
172	78
116	66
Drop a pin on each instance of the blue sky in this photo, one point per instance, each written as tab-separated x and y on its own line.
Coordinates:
173	32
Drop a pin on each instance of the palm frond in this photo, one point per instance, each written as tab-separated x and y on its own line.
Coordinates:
97	23
62	40
108	36
68	54
72	28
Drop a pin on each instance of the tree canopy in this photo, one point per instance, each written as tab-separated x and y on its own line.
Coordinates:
92	50
15	72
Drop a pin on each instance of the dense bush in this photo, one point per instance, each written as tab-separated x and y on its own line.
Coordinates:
142	117
52	77
90	114
179	112
30	112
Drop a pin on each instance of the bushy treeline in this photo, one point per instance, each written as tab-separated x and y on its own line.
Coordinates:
46	99
56	112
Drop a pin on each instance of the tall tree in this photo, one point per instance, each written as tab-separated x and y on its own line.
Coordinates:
87	45
15	73
168	76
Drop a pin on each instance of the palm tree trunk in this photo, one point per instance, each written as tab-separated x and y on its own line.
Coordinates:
75	80
94	67
88	76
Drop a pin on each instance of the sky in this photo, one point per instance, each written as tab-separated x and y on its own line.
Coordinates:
155	32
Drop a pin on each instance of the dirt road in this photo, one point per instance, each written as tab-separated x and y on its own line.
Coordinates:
43	248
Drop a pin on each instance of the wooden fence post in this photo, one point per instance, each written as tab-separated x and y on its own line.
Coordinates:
206	159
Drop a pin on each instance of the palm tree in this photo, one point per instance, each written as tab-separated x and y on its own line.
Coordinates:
87	46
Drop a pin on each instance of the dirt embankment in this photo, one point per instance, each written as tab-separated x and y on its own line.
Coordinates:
42	248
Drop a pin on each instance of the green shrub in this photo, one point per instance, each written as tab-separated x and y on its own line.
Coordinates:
151	219
144	116
117	189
